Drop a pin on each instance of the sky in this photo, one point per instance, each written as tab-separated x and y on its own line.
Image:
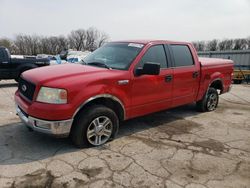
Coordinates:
180	20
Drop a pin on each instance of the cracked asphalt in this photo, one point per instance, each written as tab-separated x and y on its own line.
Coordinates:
178	148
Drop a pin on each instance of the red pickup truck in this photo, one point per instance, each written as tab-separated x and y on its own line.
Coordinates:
119	81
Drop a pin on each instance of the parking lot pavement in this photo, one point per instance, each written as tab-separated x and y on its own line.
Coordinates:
175	148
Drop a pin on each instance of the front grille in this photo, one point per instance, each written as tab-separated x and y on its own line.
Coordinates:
26	88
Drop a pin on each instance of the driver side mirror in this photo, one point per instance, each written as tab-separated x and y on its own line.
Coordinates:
149	68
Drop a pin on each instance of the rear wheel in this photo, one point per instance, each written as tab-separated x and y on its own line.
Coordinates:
94	126
209	102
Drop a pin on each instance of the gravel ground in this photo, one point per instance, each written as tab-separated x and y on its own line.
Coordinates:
175	148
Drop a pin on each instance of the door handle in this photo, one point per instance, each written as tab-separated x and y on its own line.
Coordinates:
195	74
168	78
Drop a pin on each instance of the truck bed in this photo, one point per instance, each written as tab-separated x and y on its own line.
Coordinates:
208	62
30	60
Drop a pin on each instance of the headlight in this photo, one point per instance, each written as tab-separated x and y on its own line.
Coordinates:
52	95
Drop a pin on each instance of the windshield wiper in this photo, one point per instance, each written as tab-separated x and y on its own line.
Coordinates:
83	62
98	64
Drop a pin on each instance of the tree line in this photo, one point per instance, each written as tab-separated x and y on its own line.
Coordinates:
223	45
80	40
91	38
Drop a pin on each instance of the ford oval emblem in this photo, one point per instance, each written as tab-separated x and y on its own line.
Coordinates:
24	88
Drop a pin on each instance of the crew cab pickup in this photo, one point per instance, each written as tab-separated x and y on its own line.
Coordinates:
119	81
12	68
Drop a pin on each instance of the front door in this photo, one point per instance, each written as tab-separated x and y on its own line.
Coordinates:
151	93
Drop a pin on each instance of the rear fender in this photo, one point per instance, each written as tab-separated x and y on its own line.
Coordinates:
207	81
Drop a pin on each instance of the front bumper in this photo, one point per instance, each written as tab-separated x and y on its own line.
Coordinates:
57	128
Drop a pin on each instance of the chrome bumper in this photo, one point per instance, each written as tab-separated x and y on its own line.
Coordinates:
57	128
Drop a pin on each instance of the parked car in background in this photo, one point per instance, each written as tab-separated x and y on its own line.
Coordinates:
73	59
12	68
117	82
69	54
17	56
76	56
56	60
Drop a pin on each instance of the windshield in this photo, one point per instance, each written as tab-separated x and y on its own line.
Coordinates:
114	55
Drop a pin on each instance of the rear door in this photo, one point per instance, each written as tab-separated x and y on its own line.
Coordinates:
185	74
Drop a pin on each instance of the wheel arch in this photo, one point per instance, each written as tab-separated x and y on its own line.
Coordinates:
107	100
217	84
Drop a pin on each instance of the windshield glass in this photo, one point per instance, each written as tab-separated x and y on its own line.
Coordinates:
114	55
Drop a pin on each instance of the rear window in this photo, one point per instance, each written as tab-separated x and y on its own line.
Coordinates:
182	55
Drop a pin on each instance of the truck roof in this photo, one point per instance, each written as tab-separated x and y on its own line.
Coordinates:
152	41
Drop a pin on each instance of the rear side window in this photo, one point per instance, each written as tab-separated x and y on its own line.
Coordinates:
182	55
155	54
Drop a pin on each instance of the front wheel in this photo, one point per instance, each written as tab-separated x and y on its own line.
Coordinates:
94	126
209	102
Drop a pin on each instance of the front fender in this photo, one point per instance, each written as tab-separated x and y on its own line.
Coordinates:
94	91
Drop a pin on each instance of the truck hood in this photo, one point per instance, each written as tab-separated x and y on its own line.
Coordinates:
61	75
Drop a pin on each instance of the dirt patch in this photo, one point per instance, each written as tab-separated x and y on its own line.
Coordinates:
180	127
233	105
147	141
92	172
210	145
174	127
237	113
40	178
244	169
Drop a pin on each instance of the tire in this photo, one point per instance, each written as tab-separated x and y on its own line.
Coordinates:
209	102
85	131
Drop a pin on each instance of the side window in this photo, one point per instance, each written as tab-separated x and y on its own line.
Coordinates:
182	55
155	54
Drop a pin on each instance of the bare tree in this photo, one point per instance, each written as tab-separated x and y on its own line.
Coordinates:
240	44
89	39
95	39
212	45
199	45
7	43
229	44
80	39
77	39
248	43
222	45
20	45
102	39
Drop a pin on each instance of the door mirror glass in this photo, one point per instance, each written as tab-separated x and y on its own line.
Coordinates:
149	68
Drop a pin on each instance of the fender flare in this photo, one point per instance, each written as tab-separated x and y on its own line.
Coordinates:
107	96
